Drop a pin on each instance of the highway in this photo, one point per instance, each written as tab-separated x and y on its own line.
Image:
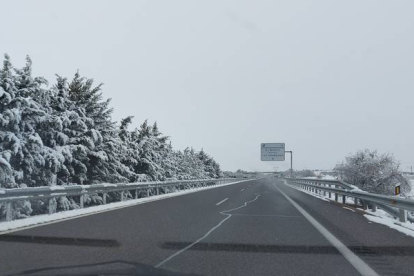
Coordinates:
258	227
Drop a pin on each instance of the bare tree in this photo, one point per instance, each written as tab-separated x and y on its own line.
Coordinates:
373	172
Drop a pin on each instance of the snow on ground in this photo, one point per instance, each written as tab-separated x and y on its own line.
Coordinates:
322	176
329	177
5	227
386	219
380	216
411	182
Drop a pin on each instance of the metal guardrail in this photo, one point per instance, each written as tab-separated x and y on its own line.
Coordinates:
339	188
10	196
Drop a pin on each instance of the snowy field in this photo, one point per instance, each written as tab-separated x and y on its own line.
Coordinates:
379	216
11	226
410	178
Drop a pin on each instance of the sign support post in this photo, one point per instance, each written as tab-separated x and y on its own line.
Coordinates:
291	162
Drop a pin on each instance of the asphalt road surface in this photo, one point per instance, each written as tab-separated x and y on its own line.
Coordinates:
258	227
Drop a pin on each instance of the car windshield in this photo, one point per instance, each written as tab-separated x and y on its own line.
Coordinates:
220	137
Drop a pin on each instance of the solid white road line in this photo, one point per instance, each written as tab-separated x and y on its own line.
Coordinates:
218	203
207	234
363	268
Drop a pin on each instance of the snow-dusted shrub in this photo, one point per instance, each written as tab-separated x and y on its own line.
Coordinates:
373	172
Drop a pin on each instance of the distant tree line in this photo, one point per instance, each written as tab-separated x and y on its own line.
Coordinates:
65	134
302	173
241	174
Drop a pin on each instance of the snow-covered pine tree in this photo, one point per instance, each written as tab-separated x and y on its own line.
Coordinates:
104	164
149	153
130	154
169	162
67	132
21	148
184	165
23	157
164	147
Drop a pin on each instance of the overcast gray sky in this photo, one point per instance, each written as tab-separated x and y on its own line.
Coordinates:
325	77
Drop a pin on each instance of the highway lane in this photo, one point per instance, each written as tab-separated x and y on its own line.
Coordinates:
387	251
265	236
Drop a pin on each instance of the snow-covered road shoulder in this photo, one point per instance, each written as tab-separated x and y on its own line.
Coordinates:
379	216
384	218
20	224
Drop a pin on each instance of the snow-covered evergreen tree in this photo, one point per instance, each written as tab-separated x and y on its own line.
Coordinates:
104	162
149	152
21	149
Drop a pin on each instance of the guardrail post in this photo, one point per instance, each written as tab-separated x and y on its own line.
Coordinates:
343	199
158	191
122	195
148	192
81	199
51	205
324	192
403	215
374	208
9	208
136	193
364	205
336	197
356	201
104	195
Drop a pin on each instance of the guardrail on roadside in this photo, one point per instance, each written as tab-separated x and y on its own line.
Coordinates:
342	189
137	190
